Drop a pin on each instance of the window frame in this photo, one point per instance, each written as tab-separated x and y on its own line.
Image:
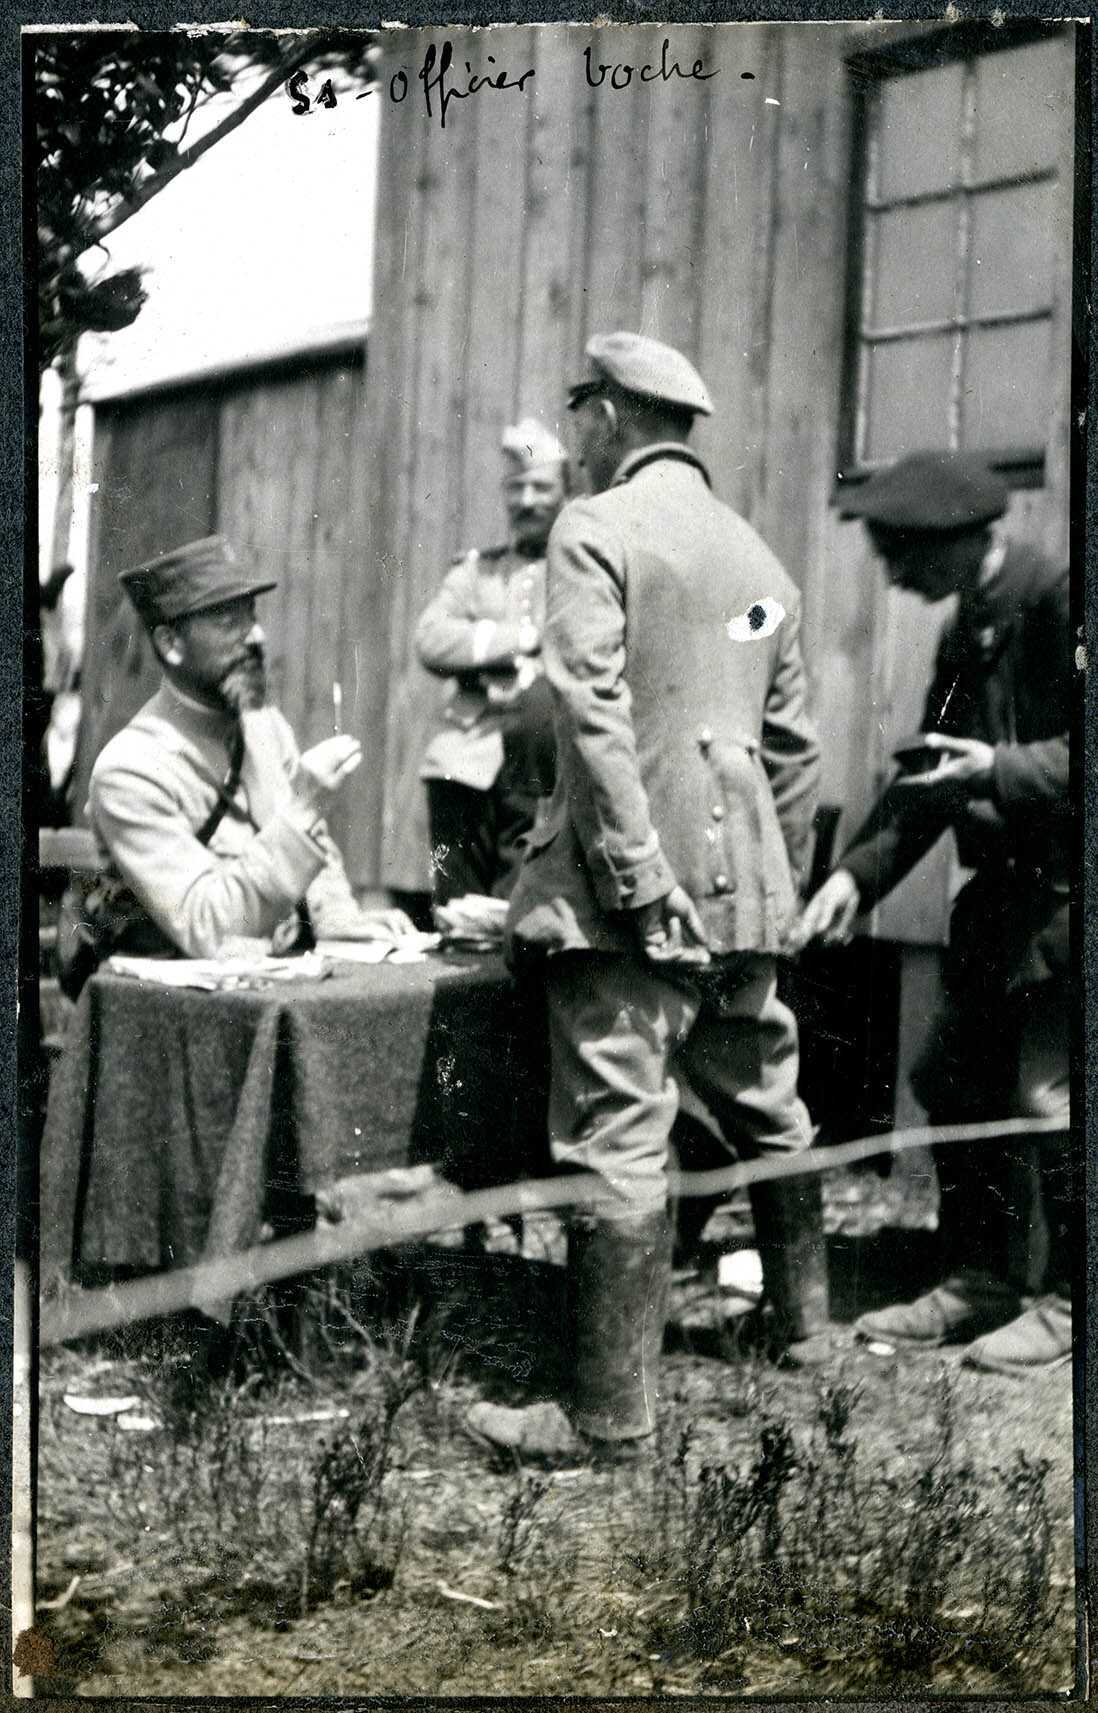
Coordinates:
867	69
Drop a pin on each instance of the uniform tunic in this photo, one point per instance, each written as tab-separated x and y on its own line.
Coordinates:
154	785
492	756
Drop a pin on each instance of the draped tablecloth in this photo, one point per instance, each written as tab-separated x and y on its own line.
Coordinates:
175	1116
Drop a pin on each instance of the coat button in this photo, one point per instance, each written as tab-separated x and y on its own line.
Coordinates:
705	737
718	811
720	882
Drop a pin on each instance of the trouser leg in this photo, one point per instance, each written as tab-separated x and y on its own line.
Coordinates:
1044	1091
613	1024
975	1225
462	839
529	762
612	1103
695	1147
742	1057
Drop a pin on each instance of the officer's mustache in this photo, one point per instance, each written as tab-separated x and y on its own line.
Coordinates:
244	681
252	659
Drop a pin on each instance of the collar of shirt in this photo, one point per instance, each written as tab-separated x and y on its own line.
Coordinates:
218	722
669	451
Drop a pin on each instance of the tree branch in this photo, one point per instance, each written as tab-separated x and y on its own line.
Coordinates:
159	181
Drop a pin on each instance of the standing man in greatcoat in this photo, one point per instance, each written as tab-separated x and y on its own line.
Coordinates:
996	731
659	884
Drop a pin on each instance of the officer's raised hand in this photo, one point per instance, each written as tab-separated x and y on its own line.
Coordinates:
670	930
322	770
829	916
965	768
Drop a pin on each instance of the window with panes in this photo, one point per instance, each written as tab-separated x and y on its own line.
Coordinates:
958	247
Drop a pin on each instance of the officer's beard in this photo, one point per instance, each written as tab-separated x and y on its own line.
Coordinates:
244	685
530	535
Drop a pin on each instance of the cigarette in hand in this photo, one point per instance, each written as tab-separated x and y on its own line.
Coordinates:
337	706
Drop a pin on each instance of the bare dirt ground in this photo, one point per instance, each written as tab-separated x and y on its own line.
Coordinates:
875	1526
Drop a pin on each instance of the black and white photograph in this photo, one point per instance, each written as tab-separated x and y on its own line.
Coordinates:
551	1010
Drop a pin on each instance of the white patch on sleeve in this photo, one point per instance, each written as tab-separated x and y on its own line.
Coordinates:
761	619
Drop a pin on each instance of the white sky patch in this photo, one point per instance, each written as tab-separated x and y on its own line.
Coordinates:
761	619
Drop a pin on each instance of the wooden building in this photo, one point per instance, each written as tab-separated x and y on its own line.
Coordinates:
861	234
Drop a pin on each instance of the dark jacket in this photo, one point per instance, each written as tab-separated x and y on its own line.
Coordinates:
1003	674
684	754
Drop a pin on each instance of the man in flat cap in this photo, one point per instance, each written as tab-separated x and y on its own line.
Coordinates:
212	821
658	887
492	757
995	770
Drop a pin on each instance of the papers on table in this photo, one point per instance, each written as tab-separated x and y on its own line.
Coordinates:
473	922
217	975
214	975
406	949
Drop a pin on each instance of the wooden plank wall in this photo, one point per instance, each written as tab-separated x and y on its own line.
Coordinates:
709	214
272	459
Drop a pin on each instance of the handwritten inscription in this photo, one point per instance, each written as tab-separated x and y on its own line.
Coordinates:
621	73
442	84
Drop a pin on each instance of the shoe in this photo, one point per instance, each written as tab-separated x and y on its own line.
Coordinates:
1039	1339
543	1431
536	1430
951	1313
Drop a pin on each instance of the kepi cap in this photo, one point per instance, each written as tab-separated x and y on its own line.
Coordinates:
529	444
931	493
643	366
190	579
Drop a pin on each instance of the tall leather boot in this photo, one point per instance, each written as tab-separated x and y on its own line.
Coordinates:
788	1215
618	1277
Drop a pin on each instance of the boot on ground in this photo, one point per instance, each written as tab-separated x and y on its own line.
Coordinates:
792	1326
1035	1342
618	1277
953	1312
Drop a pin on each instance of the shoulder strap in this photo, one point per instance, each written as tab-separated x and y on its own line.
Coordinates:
225	791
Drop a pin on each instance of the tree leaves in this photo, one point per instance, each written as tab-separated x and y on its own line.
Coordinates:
104	102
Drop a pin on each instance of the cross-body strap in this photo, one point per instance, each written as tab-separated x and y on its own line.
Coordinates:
226	791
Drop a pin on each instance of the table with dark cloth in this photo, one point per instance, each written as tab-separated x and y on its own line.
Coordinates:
174	1115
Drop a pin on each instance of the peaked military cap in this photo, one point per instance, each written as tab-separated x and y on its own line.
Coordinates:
190	579
529	444
932	492
643	366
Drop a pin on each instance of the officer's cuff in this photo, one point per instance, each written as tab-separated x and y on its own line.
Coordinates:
632	887
306	824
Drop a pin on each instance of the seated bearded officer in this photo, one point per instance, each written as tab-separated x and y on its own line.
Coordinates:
996	725
202	802
658	885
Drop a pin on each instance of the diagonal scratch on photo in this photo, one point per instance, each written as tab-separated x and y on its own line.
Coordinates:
548	1019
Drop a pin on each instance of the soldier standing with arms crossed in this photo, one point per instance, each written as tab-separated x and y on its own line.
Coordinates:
493	756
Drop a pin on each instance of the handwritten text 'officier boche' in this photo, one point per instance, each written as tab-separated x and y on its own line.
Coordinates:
442	84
